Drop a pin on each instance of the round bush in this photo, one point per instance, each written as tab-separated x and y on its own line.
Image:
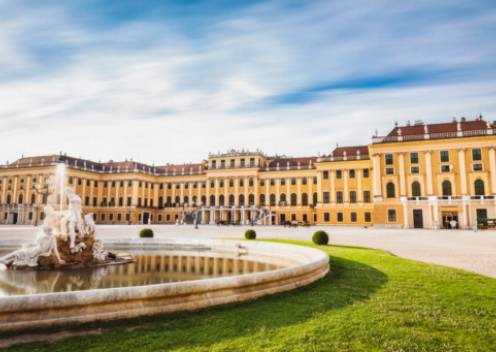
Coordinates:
146	233
320	237
250	234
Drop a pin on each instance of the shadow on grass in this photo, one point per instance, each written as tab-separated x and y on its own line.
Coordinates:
347	283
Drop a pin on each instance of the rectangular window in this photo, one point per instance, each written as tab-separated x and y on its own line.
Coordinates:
389	159
250	182
222	164
233	163
315	181
389	171
327	217
272	182
340	217
444	156
252	162
366	173
128	217
353	197
366	196
414	159
214	164
262	183
283	181
304	181
293	181
476	154
445	168
477	167
352	173
339	197
353	217
119	217
339	174
391	215
325	175
367	217
414	170
242	162
94	201
128	201
326	197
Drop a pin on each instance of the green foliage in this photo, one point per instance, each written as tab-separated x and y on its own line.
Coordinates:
146	233
250	234
320	237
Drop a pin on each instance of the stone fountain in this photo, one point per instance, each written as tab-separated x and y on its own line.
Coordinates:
65	240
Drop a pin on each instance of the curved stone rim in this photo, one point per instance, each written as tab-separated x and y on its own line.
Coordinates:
48	309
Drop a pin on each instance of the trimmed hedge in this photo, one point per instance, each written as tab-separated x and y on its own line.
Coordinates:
146	233
250	234
320	238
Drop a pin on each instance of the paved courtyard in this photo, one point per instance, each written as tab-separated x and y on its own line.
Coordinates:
468	250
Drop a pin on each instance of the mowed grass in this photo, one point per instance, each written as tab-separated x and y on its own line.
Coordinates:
370	301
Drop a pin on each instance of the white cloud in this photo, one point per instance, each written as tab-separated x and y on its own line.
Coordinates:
144	89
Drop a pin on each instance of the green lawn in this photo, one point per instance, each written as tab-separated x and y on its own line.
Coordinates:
371	301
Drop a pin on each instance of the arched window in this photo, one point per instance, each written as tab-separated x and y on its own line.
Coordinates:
272	199
231	199
416	189
169	201
186	200
293	199
221	200
315	199
251	199
304	199
447	188
203	200
262	199
390	191
177	201
479	188
283	199
212	200
241	199
33	198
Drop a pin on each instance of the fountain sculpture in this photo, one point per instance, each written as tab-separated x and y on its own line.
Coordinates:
66	239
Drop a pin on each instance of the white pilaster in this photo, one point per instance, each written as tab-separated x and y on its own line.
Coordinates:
428	171
402	174
463	171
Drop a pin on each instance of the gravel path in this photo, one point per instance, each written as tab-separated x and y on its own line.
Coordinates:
468	250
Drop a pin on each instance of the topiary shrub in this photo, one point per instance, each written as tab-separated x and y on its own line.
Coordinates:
320	238
146	233
250	234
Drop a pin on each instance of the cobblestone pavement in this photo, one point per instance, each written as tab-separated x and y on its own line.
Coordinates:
468	250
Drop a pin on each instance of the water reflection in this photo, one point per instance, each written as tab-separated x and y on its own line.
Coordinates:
148	269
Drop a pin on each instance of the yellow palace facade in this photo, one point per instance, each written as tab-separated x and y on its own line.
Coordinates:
418	175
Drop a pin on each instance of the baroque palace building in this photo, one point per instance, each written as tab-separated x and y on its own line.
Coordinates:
419	175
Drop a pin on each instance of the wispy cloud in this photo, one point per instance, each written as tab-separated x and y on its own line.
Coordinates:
169	81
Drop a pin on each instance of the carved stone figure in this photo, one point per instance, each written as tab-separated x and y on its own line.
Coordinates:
65	240
73	220
44	246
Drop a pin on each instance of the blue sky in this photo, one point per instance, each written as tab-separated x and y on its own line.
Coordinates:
170	81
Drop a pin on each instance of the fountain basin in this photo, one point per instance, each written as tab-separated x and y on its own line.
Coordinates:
289	266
